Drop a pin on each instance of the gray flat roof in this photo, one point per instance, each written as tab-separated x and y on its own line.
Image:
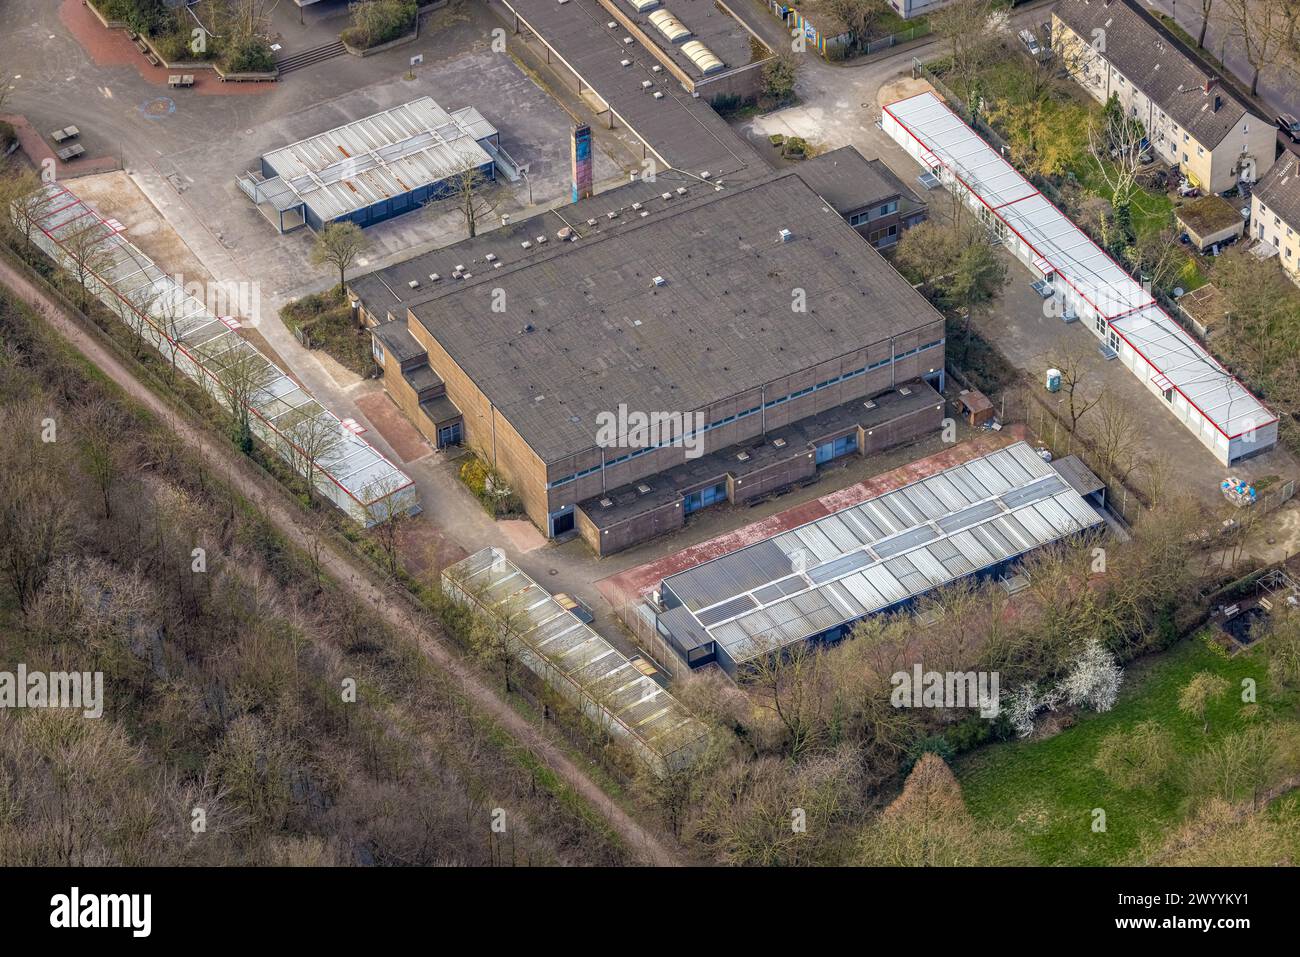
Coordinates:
379	156
684	131
849	181
877	554
586	328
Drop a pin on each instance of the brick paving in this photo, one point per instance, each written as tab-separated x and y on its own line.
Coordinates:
113	48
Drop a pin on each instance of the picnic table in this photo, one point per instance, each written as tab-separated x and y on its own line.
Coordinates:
65	134
71	152
180	79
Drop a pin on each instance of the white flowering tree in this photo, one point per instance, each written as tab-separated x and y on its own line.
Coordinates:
1094	678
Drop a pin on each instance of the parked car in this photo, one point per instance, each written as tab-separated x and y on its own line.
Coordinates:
1290	126
1031	43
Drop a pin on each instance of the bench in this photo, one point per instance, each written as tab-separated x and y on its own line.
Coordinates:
65	134
153	60
71	152
180	79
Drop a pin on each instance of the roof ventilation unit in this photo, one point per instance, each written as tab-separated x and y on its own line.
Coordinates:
434	277
666	196
491	257
606	503
526	244
673	29
646	84
612	25
786	235
779	443
742	456
625	63
643	6
627	41
868	404
658	94
414	284
660	281
460	268
705	60
643	489
540	240
656	69
904	391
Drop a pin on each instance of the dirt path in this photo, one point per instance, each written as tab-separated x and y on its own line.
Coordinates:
349	573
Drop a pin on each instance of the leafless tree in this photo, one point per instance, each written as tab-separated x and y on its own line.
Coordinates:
89	255
469	186
386	519
338	245
241	374
1261	27
1075	384
310	436
1120	441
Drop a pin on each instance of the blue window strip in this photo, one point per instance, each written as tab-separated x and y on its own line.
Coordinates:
771	403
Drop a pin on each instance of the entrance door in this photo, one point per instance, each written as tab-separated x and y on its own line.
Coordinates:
562	523
449	435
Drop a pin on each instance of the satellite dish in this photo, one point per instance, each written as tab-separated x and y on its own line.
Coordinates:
1245	212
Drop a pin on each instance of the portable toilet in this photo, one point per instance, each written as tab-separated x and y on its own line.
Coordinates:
1053	380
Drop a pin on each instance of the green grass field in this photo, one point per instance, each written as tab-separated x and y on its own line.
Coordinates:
1045	791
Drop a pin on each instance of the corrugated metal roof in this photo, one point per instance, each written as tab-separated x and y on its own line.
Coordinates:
992	509
136	289
582	661
380	156
1061	247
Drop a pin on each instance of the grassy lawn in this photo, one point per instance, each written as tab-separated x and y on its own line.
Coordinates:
1044	791
1151	211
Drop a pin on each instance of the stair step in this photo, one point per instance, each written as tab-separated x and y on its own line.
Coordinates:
311	57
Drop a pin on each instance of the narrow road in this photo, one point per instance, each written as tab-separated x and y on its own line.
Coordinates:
358	579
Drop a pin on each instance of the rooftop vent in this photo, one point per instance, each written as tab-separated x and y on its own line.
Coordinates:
528	327
646	84
414	284
666	196
681	190
612	25
868	404
491	257
434	277
606	503
742	456
564	233
786	235
904	391
658	94
591	222
497	264
540	240
627	40
779	443
526	244
643	489
460	268
706	175
660	281
656	68
612	214
636	205
467	275
625	63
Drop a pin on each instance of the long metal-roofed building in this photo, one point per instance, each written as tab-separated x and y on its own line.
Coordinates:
373	168
347	471
1205	397
577	662
814	582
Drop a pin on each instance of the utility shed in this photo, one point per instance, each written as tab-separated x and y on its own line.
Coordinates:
373	168
577	662
345	469
814	582
1207	399
1210	220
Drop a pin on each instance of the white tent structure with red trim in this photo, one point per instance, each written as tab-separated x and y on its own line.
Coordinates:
346	470
1204	396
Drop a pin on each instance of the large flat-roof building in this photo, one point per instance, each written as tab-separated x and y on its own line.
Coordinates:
814	582
1086	282
373	168
753	323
